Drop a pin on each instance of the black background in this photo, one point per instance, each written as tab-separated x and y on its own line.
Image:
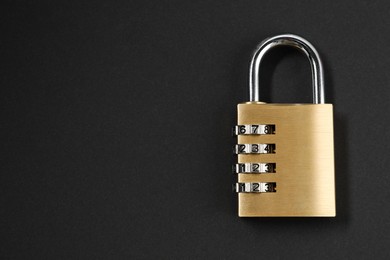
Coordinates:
116	127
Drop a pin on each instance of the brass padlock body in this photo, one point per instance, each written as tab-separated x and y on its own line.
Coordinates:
304	158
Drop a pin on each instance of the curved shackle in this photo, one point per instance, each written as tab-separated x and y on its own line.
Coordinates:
296	42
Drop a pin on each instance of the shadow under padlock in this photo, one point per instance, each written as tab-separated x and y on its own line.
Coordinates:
285	151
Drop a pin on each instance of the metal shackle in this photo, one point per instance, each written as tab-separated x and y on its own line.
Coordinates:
296	42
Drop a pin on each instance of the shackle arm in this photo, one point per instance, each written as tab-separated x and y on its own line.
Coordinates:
296	42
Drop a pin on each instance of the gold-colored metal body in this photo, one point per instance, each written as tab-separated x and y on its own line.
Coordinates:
304	160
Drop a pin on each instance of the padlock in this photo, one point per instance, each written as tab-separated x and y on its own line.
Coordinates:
285	151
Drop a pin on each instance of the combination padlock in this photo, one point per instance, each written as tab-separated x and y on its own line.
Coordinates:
285	151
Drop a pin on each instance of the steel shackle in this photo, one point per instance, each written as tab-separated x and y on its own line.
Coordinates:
296	42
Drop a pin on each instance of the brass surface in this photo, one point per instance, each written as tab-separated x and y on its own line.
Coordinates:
304	160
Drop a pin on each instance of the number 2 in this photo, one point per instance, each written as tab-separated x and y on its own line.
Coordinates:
241	148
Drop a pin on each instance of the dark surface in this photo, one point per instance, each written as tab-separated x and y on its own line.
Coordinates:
116	122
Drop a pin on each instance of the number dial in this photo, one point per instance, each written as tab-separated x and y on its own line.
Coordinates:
254	129
255	187
254	148
255	168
